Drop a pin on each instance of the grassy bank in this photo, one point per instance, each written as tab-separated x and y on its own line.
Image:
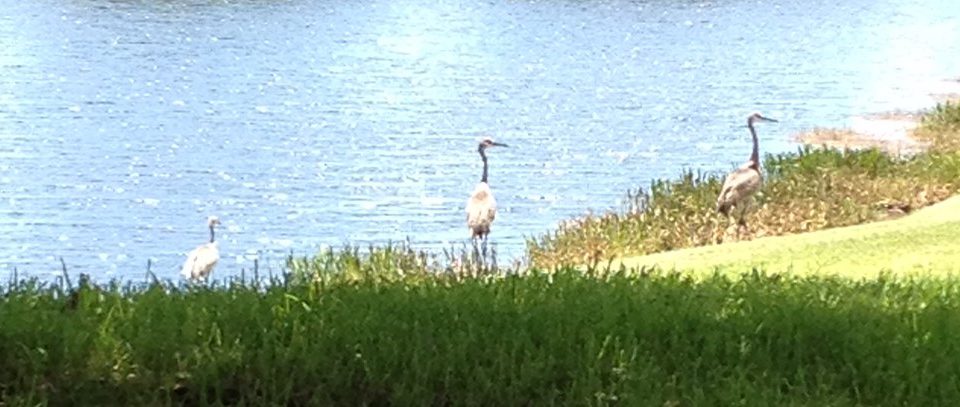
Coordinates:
922	243
810	190
567	338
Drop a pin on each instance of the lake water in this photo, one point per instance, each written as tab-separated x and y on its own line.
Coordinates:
306	124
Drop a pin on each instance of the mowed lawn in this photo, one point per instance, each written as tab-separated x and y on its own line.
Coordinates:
926	242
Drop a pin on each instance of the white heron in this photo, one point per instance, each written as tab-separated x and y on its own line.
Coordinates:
200	261
481	207
741	184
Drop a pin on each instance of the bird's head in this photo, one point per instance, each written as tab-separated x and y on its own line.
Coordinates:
488	142
757	116
213	221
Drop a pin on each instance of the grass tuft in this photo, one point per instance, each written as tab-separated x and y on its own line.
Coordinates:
942	126
394	262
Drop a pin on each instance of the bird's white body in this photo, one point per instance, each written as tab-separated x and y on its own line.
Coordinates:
481	210
481	207
200	261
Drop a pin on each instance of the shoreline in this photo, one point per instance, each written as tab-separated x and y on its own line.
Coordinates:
891	131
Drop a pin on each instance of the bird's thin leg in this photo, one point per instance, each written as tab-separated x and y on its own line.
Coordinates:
742	222
484	244
738	219
476	246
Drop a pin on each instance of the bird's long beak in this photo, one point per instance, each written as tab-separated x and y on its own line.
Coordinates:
500	144
767	119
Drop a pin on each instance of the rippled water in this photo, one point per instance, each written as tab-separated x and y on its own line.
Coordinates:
123	124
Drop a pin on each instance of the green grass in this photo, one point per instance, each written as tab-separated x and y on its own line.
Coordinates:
558	339
925	242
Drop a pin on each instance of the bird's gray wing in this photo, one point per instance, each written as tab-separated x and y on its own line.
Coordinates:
737	186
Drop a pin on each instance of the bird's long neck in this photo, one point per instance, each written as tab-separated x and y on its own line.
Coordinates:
755	155
483	156
211	233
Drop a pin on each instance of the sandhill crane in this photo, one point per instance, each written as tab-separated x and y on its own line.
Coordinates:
481	207
741	184
200	261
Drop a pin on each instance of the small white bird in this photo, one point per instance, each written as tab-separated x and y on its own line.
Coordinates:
200	261
482	207
741	184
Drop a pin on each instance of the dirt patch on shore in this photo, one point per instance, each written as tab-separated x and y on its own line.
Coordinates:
947	91
891	132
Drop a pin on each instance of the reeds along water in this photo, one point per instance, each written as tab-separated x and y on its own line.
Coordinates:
809	190
396	262
942	126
